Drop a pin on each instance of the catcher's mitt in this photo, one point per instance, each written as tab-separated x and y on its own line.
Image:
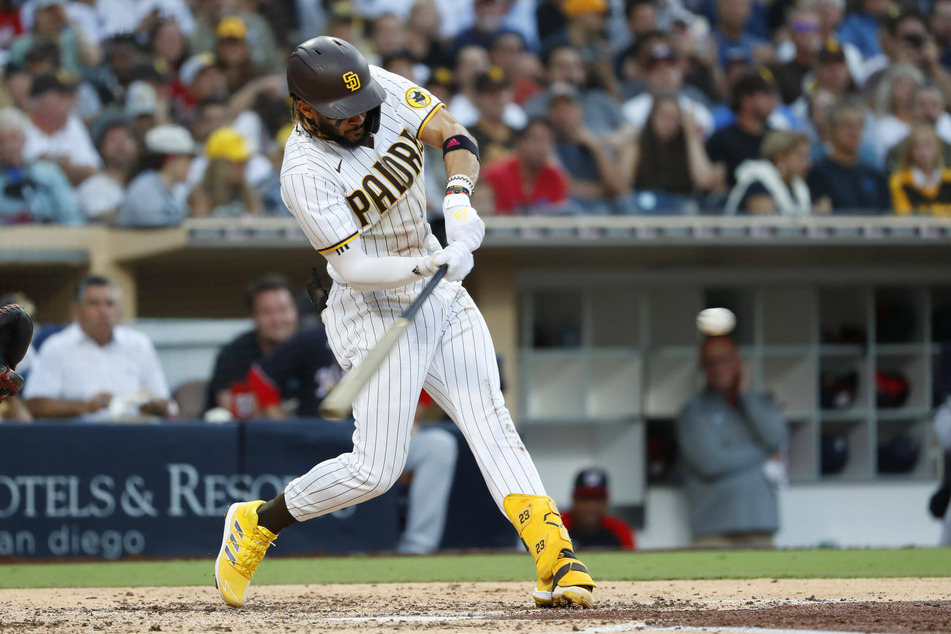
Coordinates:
16	332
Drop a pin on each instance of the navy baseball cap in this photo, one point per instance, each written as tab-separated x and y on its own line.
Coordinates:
591	483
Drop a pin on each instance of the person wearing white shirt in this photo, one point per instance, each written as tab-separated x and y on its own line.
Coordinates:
56	134
95	369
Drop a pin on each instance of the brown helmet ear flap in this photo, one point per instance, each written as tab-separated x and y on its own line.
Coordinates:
373	119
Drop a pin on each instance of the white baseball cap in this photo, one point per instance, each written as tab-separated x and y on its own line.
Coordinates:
194	65
140	99
169	139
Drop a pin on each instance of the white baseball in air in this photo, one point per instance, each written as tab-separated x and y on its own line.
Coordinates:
716	321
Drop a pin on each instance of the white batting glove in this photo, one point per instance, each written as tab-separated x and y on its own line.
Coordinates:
463	223
457	257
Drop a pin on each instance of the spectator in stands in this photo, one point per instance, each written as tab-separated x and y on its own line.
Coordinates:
939	22
732	35
265	54
850	185
101	195
492	94
927	106
168	44
781	118
594	176
36	191
489	15
640	17
704	78
233	53
422	35
507	52
588	519
656	162
585	32
387	35
137	18
201	80
922	183
906	40
529	182
56	134
51	22
753	101
819	131
142	108
300	372
96	369
15	87
860	27
564	66
224	191
727	434
10	24
893	105
831	74
150	200
664	74
111	79
775	184
472	62
803	25
271	306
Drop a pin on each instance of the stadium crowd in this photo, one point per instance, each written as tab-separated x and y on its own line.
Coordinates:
146	112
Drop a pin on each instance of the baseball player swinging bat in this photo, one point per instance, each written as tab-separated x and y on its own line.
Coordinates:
353	176
339	403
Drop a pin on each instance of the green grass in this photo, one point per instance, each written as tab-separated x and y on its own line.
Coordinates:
934	562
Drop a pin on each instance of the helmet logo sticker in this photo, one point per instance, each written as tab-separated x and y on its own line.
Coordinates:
352	81
416	98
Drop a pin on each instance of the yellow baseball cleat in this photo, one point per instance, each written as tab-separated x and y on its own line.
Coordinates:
542	595
562	578
568	587
242	548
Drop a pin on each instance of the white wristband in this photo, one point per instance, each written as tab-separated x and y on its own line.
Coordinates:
460	180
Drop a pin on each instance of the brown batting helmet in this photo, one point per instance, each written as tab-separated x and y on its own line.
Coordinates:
332	77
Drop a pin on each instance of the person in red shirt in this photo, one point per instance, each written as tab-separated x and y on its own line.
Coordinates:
589	522
529	182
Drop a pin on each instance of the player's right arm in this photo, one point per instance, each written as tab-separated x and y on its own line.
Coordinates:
319	205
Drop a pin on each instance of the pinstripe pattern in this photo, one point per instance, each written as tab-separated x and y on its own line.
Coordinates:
447	348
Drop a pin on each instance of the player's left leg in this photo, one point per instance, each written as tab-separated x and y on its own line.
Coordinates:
383	420
464	381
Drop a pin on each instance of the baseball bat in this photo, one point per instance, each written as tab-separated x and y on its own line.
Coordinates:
338	404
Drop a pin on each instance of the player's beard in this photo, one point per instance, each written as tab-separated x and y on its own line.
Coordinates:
329	131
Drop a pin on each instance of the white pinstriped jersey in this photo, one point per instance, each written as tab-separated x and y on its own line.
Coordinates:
377	193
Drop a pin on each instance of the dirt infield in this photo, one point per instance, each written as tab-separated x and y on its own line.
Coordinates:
850	605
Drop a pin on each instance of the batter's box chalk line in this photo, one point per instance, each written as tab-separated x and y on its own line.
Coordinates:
631	626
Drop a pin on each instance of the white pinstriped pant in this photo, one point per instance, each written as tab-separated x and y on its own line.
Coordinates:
448	350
